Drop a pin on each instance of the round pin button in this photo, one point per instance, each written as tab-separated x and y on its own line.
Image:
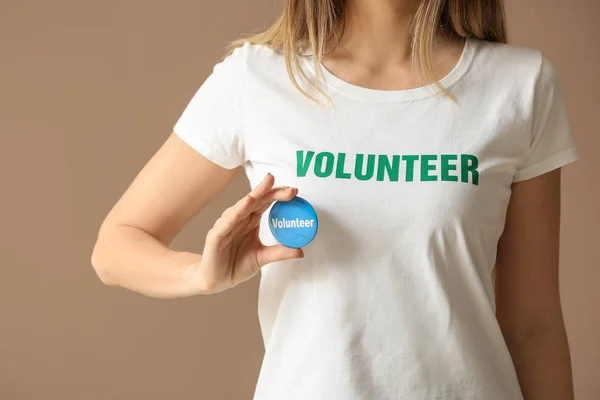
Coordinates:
293	223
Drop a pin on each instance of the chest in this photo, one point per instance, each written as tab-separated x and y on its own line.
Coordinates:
424	159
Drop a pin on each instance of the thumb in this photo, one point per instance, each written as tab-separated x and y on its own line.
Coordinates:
278	252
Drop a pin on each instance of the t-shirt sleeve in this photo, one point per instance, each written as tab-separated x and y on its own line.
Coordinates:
552	145
213	121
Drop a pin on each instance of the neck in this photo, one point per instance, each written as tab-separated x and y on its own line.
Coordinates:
378	29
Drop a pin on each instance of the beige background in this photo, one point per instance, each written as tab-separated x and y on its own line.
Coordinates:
88	91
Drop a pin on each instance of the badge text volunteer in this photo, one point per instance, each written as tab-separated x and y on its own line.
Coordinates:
297	223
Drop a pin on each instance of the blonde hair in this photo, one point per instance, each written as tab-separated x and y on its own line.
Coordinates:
316	24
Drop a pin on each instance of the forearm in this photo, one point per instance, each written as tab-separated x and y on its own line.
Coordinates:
131	258
542	361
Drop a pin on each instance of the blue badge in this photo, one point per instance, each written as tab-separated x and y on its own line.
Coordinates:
293	223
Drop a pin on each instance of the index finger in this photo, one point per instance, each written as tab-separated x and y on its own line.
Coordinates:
263	188
244	207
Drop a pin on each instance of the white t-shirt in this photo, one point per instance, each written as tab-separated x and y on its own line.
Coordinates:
394	298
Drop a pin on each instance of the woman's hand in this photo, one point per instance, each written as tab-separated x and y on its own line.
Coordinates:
233	252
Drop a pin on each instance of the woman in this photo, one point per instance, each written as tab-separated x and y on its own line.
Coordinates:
431	152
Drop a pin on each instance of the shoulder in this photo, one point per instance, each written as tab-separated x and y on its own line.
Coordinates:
246	65
251	56
511	60
513	69
261	66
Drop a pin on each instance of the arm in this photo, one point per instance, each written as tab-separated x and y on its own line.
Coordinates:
132	245
132	249
527	290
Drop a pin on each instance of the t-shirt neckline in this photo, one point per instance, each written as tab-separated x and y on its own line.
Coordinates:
402	95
